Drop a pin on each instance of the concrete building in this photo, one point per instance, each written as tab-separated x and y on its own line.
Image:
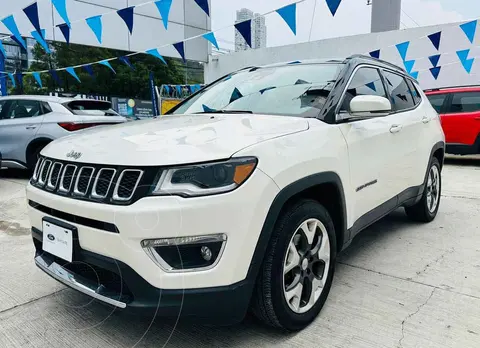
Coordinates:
259	31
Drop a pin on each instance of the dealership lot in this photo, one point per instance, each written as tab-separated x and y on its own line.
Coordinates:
400	284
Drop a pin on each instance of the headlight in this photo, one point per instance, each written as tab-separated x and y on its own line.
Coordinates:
205	179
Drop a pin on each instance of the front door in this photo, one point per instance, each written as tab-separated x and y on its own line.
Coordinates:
369	146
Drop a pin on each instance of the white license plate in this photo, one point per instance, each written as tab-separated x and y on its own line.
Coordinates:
58	241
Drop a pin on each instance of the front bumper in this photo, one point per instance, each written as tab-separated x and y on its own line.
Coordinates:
114	283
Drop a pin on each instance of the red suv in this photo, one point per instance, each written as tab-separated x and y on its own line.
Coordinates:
459	109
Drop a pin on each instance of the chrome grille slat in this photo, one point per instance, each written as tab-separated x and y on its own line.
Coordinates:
103	183
67	178
44	172
54	175
37	168
126	196
80	180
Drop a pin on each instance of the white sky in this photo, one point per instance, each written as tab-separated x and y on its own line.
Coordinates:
353	17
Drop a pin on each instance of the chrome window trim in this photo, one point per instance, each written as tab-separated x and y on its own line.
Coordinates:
115	196
61	187
49	181
40	181
75	188
94	189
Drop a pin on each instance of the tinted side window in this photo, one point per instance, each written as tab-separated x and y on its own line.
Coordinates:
465	102
437	101
24	108
366	81
417	98
400	94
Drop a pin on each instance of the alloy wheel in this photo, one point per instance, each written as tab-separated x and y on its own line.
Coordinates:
433	189
306	265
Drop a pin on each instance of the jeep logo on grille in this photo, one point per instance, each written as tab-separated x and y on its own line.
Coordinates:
51	237
73	154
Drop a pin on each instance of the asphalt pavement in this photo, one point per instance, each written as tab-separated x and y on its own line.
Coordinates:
400	284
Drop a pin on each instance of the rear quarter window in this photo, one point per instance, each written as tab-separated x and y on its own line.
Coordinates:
91	107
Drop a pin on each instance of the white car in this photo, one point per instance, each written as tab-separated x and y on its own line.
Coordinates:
29	122
243	196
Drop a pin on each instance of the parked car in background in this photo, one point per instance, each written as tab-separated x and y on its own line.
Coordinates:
29	123
459	109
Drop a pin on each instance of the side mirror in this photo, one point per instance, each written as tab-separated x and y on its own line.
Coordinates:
370	106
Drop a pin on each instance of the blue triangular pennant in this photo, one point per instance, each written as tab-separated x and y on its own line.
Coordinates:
72	72
467	63
179	90
266	89
463	55
40	39
435	71
2	50
13	38
236	94
409	65
167	88
12	78
333	5
127	15
108	65
402	49
163	7
32	13
375	54
207	109
12	26
180	47
37	78
95	23
289	15
19	77
204	6
65	29
245	29
61	7
154	52
371	85
127	62
54	75
435	39
211	37
414	75
434	59
89	69
469	29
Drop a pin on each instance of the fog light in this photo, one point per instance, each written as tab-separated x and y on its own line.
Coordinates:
186	253
206	253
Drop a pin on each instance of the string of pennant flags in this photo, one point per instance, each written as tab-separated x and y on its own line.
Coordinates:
288	13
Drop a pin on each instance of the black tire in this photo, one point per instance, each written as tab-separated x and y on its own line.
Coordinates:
268	301
33	155
420	211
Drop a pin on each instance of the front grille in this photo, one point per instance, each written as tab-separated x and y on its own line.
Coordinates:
92	182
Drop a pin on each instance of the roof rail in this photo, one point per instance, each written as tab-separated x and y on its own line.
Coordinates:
450	87
393	66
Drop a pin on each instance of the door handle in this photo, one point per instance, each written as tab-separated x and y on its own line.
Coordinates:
426	119
31	127
396	128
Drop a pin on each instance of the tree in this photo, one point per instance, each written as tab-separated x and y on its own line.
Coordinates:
125	83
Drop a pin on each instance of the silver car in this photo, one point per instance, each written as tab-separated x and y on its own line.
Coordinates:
29	123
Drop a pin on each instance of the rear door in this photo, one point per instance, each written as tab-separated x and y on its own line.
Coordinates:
19	123
461	121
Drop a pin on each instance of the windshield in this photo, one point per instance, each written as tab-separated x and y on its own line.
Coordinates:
292	90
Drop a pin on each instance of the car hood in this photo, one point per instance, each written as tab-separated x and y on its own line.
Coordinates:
173	140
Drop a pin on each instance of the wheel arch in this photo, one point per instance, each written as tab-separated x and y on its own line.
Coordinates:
35	142
326	182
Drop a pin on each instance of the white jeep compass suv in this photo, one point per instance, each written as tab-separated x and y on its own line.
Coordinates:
243	196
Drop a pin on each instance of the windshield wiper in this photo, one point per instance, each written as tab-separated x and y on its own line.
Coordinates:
225	112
